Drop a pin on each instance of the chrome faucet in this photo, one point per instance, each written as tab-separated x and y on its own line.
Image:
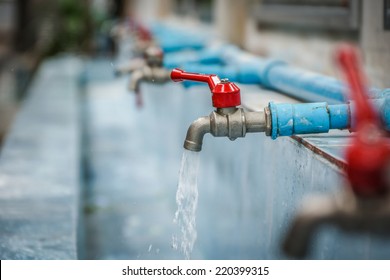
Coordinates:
153	71
365	204
150	69
228	120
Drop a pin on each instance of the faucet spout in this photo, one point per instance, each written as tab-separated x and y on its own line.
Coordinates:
148	74
229	122
135	81
195	133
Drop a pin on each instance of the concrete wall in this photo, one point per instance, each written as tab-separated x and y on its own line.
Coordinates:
230	19
40	169
375	42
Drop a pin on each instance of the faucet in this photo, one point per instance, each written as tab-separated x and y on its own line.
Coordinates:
364	205
134	64
150	69
227	120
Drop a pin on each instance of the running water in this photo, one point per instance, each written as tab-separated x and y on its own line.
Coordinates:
187	202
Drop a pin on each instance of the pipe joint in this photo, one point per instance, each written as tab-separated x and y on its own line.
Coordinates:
228	122
148	74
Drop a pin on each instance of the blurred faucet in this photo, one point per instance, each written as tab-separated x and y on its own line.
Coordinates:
150	69
134	64
365	204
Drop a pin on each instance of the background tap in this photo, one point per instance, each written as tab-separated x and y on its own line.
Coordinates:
150	69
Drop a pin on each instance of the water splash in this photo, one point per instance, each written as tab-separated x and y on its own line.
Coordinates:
187	202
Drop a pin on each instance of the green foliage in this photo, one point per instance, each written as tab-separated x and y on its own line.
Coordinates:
73	26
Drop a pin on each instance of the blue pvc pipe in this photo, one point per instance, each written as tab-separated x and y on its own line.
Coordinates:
277	75
180	60
303	85
179	44
172	39
307	118
290	119
339	116
229	61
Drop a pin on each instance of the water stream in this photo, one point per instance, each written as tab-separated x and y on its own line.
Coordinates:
187	202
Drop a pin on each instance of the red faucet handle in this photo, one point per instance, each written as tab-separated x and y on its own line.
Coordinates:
224	93
349	61
368	156
178	75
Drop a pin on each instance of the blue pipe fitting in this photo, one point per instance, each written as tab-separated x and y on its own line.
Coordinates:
290	119
306	118
339	116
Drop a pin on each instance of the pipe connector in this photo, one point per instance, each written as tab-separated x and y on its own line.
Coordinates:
148	74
